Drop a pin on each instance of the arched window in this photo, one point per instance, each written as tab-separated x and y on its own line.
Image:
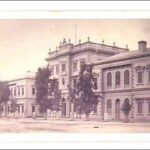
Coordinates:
126	77
109	79
117	78
109	106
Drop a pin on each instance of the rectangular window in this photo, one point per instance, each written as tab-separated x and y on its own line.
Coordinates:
11	92
82	62
57	69
22	109
22	91
95	83
63	67
52	70
75	66
18	91
8	108
74	83
15	92
149	76
140	77
139	109
33	91
33	109
149	107
18	109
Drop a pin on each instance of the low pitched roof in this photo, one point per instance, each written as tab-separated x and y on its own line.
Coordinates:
124	56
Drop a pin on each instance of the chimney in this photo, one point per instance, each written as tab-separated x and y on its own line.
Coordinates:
142	45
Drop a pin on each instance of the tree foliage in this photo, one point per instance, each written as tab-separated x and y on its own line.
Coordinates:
13	106
47	95
4	92
42	78
126	108
54	95
85	90
4	96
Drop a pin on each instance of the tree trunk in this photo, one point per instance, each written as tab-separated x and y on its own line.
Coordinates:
1	112
72	111
6	110
0	115
126	118
45	115
79	116
14	115
87	116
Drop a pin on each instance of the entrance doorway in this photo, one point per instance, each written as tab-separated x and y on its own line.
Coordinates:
63	112
117	109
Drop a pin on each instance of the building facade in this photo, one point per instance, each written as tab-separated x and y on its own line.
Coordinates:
65	64
23	93
121	75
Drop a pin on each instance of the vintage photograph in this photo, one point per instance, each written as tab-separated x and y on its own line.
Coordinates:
75	76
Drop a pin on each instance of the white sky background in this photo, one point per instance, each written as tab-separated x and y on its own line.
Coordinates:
24	43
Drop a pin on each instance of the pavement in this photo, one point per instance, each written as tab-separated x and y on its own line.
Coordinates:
51	125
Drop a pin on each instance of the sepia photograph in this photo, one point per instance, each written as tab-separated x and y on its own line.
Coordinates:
62	75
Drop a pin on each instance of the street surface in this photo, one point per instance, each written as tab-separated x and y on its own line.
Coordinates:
68	126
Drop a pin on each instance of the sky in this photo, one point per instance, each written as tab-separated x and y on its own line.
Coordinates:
25	43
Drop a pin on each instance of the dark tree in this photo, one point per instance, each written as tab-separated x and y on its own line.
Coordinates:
54	95
85	86
13	107
42	80
47	95
126	108
4	95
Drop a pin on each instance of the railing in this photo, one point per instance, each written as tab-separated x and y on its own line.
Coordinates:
97	47
88	45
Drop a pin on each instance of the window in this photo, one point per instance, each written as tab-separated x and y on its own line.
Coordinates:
11	92
149	107
75	65
140	77
95	86
18	109
109	79
19	91
63	81
8	108
126	77
74	83
52	70
14	91
82	62
33	91
117	78
57	69
149	76
63	67
139	109
33	109
109	106
22	109
22	91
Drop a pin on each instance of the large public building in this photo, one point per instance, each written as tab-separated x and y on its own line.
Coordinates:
121	75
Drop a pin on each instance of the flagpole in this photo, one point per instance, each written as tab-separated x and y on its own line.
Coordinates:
75	34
